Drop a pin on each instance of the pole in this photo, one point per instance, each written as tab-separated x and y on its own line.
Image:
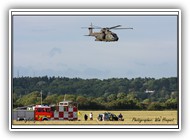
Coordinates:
64	97
41	96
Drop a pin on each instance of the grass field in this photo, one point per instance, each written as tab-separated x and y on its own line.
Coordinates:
130	117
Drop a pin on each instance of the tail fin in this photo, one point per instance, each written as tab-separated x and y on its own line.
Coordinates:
90	29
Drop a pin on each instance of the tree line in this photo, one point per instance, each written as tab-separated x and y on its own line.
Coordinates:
95	94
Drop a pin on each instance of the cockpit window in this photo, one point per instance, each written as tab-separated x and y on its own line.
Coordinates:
114	35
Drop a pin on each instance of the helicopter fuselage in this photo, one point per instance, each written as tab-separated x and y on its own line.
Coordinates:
107	36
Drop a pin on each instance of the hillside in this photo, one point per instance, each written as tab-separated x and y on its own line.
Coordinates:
110	94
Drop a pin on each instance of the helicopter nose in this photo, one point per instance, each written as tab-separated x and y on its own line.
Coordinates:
116	38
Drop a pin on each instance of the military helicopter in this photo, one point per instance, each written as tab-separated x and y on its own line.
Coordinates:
105	34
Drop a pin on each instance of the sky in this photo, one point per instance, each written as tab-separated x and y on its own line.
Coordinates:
56	46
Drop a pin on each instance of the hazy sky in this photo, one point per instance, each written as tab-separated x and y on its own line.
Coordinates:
56	46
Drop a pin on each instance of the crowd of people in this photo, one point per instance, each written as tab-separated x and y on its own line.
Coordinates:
103	117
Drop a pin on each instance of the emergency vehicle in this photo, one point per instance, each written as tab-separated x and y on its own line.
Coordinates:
65	110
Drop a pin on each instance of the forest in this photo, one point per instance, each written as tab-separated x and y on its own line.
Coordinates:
96	94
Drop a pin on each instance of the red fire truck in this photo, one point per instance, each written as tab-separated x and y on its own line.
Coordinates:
66	110
42	113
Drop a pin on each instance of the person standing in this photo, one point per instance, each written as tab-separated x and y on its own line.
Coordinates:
120	117
103	117
91	116
85	117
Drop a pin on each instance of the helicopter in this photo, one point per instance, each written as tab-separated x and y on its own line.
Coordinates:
104	34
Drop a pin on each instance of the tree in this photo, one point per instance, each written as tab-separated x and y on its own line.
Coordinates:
29	99
111	97
121	96
171	103
51	99
83	102
156	106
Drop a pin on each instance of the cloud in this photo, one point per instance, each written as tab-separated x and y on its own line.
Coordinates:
55	51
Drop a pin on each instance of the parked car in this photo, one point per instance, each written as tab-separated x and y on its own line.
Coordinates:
107	116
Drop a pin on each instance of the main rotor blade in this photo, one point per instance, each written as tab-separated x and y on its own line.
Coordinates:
121	28
114	27
96	27
91	27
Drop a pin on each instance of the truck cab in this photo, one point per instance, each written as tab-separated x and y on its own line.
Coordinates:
42	113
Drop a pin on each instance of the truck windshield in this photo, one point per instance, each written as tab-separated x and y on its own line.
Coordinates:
42	109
